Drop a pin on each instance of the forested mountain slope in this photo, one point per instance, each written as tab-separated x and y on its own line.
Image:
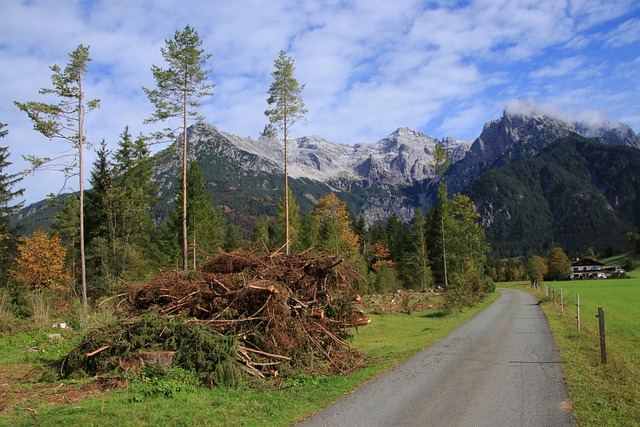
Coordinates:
577	193
537	181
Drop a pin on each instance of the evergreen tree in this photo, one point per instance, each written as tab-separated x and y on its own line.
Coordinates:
232	240
178	89
439	219
65	226
287	109
467	246
292	221
399	243
260	234
360	228
419	261
101	181
308	234
7	194
122	197
65	120
206	226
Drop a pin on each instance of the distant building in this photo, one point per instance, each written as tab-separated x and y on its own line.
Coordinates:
590	269
587	269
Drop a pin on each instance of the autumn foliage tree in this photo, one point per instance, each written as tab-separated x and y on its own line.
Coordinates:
41	262
558	264
536	269
336	234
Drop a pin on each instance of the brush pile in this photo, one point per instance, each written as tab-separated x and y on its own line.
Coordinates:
262	315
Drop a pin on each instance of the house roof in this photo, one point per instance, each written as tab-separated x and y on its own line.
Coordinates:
584	262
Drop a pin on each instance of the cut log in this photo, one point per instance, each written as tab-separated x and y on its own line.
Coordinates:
162	358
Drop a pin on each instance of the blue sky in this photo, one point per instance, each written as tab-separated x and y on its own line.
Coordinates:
370	66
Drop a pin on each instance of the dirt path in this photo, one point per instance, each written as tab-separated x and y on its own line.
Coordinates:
499	369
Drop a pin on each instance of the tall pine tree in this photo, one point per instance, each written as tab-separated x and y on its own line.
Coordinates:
179	88
287	108
64	120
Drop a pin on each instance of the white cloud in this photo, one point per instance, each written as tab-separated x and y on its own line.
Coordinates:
563	67
626	34
369	66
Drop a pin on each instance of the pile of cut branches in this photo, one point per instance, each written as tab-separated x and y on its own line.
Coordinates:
281	313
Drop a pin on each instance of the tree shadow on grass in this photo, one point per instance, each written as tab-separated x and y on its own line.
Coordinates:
435	315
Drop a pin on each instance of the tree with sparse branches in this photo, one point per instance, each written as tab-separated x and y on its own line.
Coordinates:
64	120
179	88
287	108
536	268
441	214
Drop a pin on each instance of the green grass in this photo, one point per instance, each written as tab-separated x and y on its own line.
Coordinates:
601	395
388	340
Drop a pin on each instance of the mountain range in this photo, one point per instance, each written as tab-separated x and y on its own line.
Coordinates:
396	176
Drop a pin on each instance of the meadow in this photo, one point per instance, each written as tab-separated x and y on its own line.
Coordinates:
602	395
34	396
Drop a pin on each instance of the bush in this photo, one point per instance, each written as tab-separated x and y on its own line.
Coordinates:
630	264
211	356
158	381
7	318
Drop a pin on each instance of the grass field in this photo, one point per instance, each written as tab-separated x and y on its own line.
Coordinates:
606	395
32	395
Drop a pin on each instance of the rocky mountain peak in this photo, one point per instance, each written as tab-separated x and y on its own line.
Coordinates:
527	131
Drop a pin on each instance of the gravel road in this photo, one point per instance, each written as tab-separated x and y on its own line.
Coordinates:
501	368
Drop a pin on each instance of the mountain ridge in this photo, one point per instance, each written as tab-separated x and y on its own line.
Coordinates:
394	175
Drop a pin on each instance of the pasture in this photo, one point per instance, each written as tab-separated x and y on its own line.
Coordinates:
602	395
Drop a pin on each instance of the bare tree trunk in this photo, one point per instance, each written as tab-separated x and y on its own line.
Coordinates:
81	190
444	254
286	188
184	186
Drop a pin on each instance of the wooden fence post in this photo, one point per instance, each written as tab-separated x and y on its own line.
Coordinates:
603	343
578	311
561	303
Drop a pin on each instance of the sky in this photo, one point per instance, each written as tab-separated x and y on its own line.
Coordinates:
444	68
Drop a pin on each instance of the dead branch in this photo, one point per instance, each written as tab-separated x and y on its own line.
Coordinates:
93	353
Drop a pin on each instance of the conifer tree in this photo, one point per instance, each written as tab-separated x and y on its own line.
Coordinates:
232	239
399	244
287	108
179	88
467	245
438	220
7	210
419	257
101	181
65	225
64	120
308	234
260	234
292	223
206	225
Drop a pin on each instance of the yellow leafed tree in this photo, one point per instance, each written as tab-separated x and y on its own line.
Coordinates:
336	233
40	263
